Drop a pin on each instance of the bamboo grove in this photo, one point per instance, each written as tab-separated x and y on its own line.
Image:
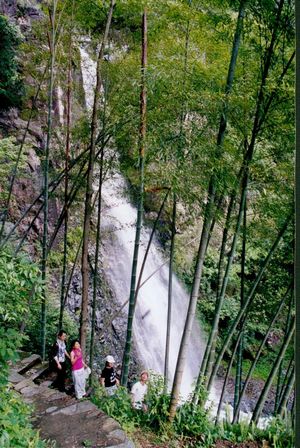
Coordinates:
198	107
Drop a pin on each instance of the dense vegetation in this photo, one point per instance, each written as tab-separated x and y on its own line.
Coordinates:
208	119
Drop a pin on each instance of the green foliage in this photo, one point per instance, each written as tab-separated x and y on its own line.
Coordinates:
10	82
20	281
191	420
279	433
8	156
15	429
118	406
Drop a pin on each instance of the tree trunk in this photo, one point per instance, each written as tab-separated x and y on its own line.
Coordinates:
239	362
227	376
286	393
170	284
52	45
261	401
280	386
67	161
211	344
84	317
249	299
98	236
190	317
253	365
142	141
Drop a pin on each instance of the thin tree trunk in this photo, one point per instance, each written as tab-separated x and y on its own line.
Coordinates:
67	161
261	401
213	335
142	139
259	116
139	282
227	377
189	320
52	44
250	297
209	212
286	393
238	378
98	236
84	318
253	365
23	323
280	386
170	284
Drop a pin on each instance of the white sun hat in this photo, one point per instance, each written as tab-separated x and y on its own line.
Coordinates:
109	358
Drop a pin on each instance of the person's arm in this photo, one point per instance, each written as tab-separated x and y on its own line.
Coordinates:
117	382
55	349
102	381
67	355
73	358
132	394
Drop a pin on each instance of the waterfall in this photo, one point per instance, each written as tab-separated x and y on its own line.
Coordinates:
150	319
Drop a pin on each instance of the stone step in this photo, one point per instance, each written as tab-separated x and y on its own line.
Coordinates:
14	377
37	371
26	382
25	364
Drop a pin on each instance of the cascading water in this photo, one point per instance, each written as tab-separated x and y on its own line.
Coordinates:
151	311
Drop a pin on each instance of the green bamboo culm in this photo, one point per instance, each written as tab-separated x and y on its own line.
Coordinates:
282	408
239	362
258	353
263	396
280	382
67	163
96	279
142	141
170	284
52	45
212	185
248	301
84	316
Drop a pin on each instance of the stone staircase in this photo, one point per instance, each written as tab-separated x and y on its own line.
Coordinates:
61	418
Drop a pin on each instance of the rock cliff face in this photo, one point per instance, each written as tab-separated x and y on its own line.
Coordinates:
110	336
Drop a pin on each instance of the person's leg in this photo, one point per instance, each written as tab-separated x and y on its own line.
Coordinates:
81	382
61	377
75	381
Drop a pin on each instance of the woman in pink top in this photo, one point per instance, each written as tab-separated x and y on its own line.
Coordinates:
78	372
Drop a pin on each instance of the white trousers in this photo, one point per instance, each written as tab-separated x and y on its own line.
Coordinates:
79	378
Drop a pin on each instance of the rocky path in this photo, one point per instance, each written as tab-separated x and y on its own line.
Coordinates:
63	419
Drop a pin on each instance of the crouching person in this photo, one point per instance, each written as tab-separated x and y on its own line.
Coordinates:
139	391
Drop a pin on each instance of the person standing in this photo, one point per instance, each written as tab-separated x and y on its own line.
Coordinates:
78	372
108	377
59	354
139	391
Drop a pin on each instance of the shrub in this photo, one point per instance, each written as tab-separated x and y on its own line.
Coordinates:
11	88
17	277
